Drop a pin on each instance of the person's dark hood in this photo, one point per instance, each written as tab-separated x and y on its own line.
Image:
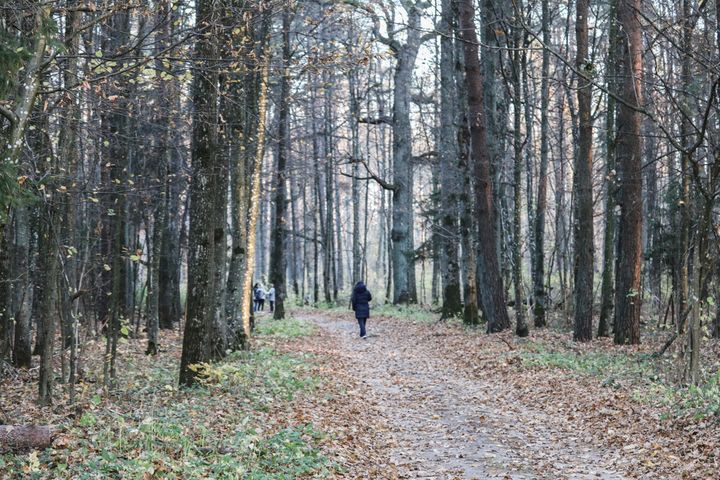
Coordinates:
360	287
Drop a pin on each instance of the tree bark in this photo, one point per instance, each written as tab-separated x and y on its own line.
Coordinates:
627	291
609	236
22	345
47	264
541	299
582	183
449	174
521	327
491	285
26	437
402	235
278	259
201	254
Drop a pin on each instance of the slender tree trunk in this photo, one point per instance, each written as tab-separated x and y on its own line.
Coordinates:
468	227
609	237
582	185
449	174
48	264
541	298
22	348
521	327
278	260
169	302
153	316
255	190
6	318
354	114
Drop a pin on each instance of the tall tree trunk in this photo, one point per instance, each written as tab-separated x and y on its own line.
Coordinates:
521	327
48	264
402	235
169	301
627	290
449	175
118	160
582	184
541	298
609	237
153	295
201	254
22	346
354	114
255	190
278	260
491	285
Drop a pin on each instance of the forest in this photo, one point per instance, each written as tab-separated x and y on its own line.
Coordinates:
528	188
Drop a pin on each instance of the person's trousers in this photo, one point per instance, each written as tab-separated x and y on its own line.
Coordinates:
361	322
272	305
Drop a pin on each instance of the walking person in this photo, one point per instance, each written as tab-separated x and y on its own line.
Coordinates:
360	302
255	297
271	298
260	298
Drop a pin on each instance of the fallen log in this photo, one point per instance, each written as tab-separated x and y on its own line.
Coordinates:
25	437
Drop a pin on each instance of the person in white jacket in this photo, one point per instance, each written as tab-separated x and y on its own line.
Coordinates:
271	298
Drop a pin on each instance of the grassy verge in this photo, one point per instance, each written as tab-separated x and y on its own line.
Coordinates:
237	424
287	328
406	312
648	377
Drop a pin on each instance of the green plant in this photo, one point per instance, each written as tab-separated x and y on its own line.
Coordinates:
216	430
287	328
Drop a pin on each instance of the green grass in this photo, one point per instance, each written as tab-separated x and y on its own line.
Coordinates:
646	375
604	364
408	312
286	328
219	429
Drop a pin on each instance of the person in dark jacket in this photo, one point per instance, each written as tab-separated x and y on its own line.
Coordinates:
360	302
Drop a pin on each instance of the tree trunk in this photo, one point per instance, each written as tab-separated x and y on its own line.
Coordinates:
627	291
153	317
582	184
22	346
521	327
491	285
201	254
449	175
402	234
169	301
26	437
254	197
609	236
47	264
541	299
278	260
354	113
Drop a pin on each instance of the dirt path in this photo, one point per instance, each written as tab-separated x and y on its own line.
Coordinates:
444	423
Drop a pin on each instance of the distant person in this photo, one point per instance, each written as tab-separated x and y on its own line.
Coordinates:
255	298
271	298
360	303
260	298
